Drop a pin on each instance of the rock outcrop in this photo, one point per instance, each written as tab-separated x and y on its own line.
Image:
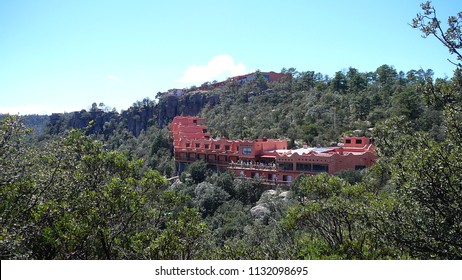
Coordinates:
138	117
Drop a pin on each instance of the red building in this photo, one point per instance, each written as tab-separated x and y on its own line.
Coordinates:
266	158
269	76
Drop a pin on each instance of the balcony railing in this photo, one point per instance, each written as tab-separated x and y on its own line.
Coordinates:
271	167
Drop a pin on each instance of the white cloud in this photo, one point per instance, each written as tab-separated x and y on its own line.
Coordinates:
31	109
218	68
112	78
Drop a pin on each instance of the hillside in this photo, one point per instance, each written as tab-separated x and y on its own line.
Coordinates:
306	107
93	184
99	184
110	174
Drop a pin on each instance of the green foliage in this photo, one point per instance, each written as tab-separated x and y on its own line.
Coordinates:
75	200
181	238
429	24
195	173
352	176
16	183
209	197
420	214
311	108
229	221
98	192
331	220
258	242
426	218
247	191
198	171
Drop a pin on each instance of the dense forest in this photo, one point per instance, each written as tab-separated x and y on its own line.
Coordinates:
99	184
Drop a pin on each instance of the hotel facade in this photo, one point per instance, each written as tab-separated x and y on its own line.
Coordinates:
268	159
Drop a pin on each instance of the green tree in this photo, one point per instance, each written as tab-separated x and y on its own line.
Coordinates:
428	23
355	81
423	217
247	191
407	103
339	83
74	199
209	197
259	81
17	188
330	220
229	221
306	80
197	171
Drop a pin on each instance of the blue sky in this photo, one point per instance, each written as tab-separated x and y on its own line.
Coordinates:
58	56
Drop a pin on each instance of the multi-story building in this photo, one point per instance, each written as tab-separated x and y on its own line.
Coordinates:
268	76
266	158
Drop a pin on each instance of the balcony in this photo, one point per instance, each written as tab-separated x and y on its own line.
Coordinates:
250	166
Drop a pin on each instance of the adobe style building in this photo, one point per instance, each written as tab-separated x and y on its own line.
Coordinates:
242	79
266	158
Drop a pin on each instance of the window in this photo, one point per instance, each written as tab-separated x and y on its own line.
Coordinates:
359	167
206	146
303	167
204	130
246	151
320	168
195	121
217	147
188	145
348	141
270	177
198	145
359	141
286	166
286	178
227	147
